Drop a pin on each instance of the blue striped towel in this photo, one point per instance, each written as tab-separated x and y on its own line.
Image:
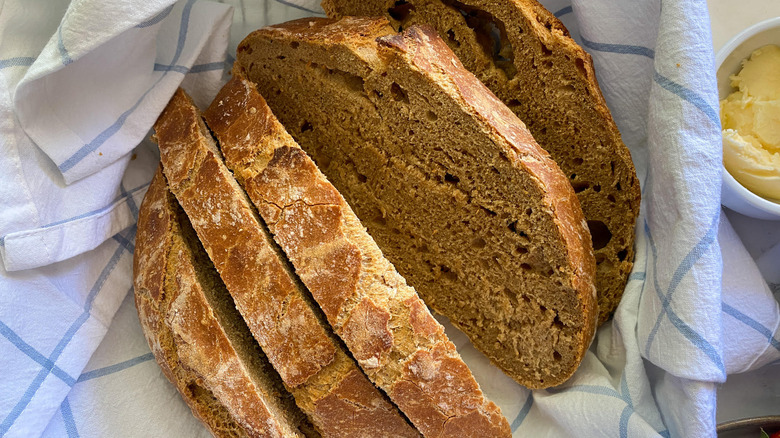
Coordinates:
74	166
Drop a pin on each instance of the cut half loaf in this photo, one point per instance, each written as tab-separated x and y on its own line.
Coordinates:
448	181
201	343
384	323
327	384
527	58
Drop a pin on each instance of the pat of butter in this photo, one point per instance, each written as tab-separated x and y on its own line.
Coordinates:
751	124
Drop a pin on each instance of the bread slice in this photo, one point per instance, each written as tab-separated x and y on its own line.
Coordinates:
527	58
384	323
327	384
197	337
448	181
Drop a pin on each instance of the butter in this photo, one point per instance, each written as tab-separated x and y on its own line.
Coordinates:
750	118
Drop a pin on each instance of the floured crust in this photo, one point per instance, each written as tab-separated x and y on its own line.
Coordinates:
526	56
384	323
278	311
188	342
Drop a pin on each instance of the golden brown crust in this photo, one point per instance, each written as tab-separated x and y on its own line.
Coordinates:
383	322
187	340
311	363
526	56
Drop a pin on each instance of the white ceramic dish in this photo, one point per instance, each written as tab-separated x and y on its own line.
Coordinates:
728	61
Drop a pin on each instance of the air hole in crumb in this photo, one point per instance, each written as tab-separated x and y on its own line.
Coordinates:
447	273
362	178
578	161
380	220
597	188
490	213
295	44
580	186
512	226
581	67
522	250
400	10
547	64
556	356
611	198
526	299
600	258
557	322
600	234
525	267
399	95
451	38
513	102
573	176
546	51
306	127
478	243
550	272
529	211
281	57
490	34
542	309
617	186
612	166
522	234
622	254
452	179
431	116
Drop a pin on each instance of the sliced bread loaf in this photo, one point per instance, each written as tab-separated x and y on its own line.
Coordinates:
201	343
527	58
327	384
448	181
384	323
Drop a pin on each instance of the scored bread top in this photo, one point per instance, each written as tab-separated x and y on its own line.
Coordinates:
326	383
384	323
191	344
526	56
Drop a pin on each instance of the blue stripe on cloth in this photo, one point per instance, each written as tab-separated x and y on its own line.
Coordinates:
625	49
64	341
105	371
114	128
34	354
156	19
125	242
688	95
98	211
752	323
61	47
293	5
624	393
563	11
523	412
130	201
624	417
20	61
198	68
683	268
637	276
67	418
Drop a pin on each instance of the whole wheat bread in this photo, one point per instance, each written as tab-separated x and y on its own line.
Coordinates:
527	58
384	323
199	340
327	384
448	181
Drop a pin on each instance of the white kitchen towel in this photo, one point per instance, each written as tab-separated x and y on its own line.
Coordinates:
695	307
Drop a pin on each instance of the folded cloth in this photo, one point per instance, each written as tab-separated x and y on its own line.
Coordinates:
695	309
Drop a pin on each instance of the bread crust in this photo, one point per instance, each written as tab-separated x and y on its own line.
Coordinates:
185	337
527	37
312	364
384	323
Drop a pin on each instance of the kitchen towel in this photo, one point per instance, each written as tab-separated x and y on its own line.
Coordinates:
84	81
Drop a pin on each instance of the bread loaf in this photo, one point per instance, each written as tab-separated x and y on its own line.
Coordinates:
384	323
200	342
527	58
447	180
326	383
